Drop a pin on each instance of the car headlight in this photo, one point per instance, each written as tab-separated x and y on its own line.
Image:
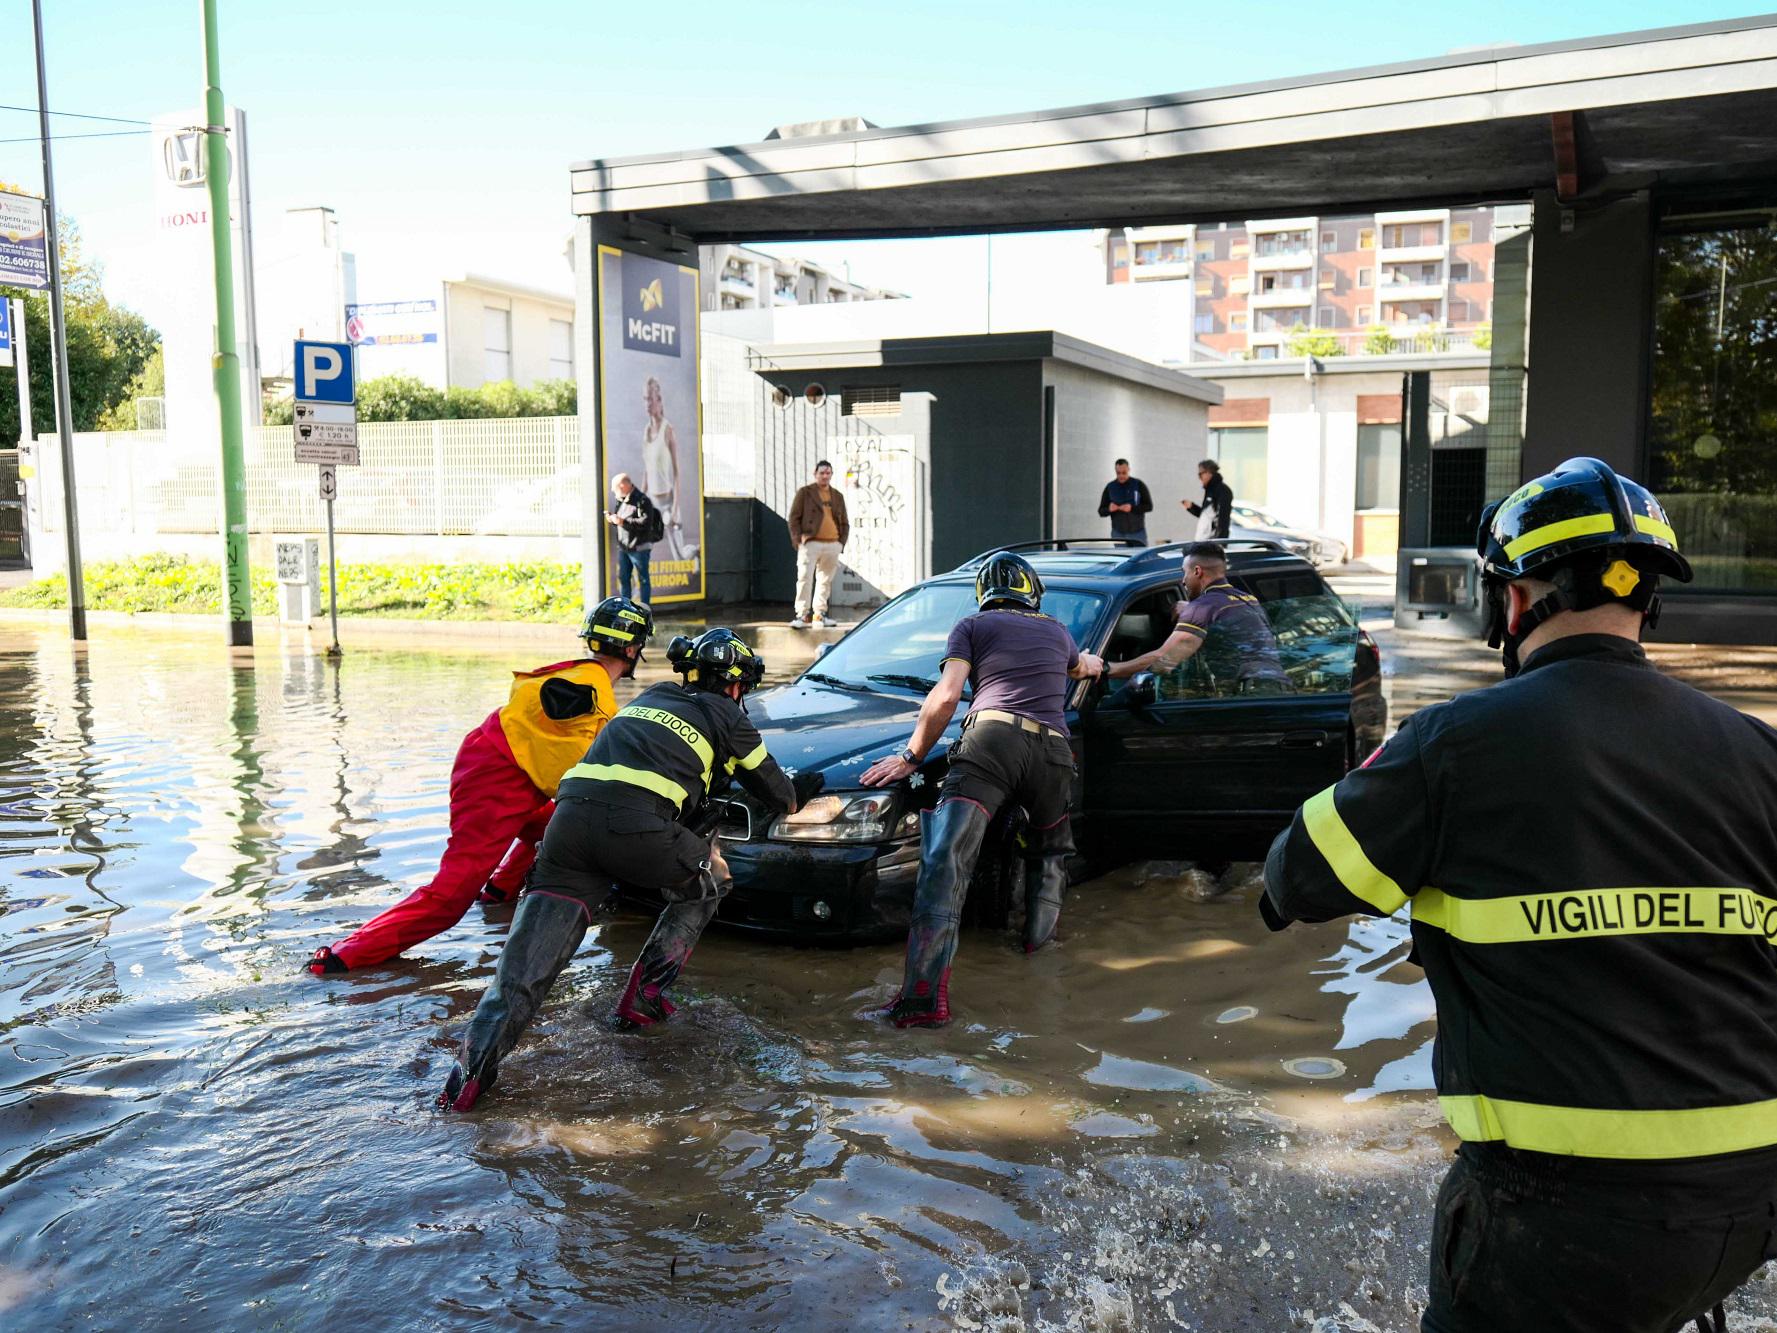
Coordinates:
865	818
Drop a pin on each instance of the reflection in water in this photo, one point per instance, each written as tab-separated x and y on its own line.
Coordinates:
191	1129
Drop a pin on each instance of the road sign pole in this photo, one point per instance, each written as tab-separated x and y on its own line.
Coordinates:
237	577
329	479
58	338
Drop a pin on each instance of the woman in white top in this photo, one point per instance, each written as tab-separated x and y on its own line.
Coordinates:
660	460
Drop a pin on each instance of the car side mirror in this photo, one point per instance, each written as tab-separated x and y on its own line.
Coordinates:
823	650
1143	690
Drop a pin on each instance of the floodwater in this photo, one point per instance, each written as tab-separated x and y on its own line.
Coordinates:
1171	1119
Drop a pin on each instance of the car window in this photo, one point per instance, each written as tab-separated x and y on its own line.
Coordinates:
902	644
1302	645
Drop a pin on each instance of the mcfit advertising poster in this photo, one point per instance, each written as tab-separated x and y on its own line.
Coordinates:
650	410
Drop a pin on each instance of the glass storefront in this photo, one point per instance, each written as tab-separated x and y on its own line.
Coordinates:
1713	443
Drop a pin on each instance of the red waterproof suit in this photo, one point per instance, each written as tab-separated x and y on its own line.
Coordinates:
502	791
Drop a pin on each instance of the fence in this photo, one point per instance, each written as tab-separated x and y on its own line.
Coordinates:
518	477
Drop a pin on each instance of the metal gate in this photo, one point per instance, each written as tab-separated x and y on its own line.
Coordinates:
879	471
13	548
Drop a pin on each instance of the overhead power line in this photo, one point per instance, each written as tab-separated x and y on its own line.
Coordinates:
78	115
103	134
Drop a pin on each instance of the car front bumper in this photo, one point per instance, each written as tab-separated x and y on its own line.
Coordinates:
817	893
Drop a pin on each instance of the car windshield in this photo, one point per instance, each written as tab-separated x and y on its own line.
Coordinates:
901	645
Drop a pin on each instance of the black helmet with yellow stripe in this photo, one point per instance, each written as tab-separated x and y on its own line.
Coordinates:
716	659
1005	577
616	625
1598	537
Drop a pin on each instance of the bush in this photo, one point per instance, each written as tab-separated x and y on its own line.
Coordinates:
407	398
1484	336
1314	342
399	398
1378	341
530	590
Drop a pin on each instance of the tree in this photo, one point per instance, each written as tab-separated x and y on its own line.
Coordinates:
1314	342
108	346
399	398
1484	336
149	382
1378	341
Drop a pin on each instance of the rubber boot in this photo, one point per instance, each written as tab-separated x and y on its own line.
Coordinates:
1045	883
663	957
951	840
546	930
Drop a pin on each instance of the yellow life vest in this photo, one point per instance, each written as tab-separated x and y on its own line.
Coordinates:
546	745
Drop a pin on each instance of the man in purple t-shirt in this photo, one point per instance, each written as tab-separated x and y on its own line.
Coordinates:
1014	747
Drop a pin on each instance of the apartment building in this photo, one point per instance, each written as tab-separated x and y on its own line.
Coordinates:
738	278
1410	281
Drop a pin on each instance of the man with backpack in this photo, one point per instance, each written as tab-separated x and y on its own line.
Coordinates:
639	525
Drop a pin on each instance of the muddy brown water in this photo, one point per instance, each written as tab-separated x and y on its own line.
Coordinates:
1173	1119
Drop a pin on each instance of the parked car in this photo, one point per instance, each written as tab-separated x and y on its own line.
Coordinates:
1321	547
1179	765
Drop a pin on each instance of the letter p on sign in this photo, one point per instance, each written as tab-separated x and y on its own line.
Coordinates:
324	373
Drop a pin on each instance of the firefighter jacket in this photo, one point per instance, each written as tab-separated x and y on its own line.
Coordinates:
553	714
1589	851
673	741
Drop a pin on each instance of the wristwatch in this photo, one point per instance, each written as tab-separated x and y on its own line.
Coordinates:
908	757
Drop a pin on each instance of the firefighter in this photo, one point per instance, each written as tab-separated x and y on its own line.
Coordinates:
1014	747
625	814
503	784
1590	853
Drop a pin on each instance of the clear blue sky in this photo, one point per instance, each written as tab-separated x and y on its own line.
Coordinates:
442	133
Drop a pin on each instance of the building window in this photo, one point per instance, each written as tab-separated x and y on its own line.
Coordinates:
1243	452
1327	317
1461	233
1414	312
1712	449
1366	239
1206	250
1327	240
870	400
1362	314
1366	276
1399	235
1410	275
1206	321
1237	321
1280	242
496	344
1379	467
1459	270
561	349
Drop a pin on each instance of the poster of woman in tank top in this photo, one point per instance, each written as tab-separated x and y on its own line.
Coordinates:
649	407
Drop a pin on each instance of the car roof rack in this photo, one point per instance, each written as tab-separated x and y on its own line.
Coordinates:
1138	555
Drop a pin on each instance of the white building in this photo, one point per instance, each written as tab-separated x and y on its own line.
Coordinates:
737	278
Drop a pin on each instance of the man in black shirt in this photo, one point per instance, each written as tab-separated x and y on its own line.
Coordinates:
1127	503
1217	509
1590	851
622	814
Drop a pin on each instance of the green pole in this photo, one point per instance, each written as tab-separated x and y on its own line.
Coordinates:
226	361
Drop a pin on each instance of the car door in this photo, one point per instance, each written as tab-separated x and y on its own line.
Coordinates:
1204	759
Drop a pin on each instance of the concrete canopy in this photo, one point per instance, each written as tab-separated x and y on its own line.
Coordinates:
1686	105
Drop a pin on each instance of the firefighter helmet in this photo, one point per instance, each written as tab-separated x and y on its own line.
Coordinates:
716	659
617	624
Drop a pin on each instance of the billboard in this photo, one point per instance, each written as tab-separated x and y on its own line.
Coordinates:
182	249
650	410
24	258
392	323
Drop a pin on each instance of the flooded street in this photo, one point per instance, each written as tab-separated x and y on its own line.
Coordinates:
1172	1119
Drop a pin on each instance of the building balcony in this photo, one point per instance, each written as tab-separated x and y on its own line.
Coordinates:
1411	254
1286	259
1160	270
737	282
1283	296
1267	336
1410	291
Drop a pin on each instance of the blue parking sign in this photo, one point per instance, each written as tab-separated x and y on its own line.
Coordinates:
5	331
324	373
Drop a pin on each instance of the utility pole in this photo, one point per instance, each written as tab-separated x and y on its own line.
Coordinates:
237	581
58	338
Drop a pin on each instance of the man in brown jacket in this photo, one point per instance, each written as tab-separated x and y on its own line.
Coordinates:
819	528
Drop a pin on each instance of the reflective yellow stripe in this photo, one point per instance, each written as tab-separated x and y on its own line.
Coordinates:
1343	853
1654	528
622	635
678	726
1537	538
635	777
753	760
1189	628
1591	913
1580	1131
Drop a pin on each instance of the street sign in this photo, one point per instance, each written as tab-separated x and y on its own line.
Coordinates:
331	413
5	331
322	432
327	455
329	483
324	373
